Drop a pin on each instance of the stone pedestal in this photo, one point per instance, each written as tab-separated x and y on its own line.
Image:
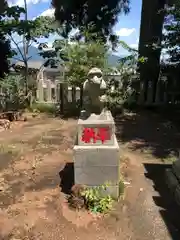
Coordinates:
172	178
95	161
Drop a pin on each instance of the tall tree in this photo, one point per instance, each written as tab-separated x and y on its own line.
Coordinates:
30	31
172	33
102	14
152	16
4	45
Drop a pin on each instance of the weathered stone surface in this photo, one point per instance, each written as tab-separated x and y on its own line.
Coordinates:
176	169
96	151
94	92
93	176
96	165
177	194
105	120
91	156
171	180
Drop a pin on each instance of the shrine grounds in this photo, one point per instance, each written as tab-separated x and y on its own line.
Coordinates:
36	173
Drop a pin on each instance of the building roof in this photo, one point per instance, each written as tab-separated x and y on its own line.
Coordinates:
31	64
38	64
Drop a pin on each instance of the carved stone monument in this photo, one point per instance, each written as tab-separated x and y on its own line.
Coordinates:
94	93
96	151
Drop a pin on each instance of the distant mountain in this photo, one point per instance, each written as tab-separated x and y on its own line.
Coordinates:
33	53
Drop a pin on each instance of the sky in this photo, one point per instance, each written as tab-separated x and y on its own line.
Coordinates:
127	27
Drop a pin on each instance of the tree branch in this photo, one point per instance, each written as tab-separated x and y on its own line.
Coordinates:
17	47
30	43
28	58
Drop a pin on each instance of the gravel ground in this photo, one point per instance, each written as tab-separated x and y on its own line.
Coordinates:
32	201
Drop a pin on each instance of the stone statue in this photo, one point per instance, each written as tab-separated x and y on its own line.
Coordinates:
94	98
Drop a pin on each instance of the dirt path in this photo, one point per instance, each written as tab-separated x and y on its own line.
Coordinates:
33	207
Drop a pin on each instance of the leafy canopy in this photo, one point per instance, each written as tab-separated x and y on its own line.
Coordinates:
80	14
172	32
82	57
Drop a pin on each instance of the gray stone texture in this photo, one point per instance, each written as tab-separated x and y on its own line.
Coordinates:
171	180
96	156
176	168
105	120
94	89
177	195
96	164
93	176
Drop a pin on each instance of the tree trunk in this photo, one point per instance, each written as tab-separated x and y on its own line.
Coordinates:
4	47
150	32
81	96
61	98
25	49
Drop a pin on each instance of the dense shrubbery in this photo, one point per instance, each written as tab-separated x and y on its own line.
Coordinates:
12	93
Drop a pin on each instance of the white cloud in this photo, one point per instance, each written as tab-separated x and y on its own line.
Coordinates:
20	3
125	32
49	12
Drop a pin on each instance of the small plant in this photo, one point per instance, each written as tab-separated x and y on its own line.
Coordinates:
35	112
96	200
121	187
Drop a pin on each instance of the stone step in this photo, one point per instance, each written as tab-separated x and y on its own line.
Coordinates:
176	169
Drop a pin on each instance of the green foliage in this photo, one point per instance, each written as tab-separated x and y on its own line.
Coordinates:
172	32
96	200
30	29
14	20
5	52
78	57
121	187
81	58
126	88
5	48
101	14
49	108
13	96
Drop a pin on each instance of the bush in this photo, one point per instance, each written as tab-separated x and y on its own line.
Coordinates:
49	108
96	201
72	109
13	96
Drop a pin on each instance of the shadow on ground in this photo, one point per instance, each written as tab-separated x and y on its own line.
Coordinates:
67	178
169	210
147	130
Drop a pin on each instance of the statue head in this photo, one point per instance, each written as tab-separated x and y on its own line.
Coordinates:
95	76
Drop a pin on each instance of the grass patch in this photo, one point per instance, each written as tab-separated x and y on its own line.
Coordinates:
170	158
96	199
10	149
49	108
121	188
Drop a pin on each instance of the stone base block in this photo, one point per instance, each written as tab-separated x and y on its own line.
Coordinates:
176	168
96	122
96	165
